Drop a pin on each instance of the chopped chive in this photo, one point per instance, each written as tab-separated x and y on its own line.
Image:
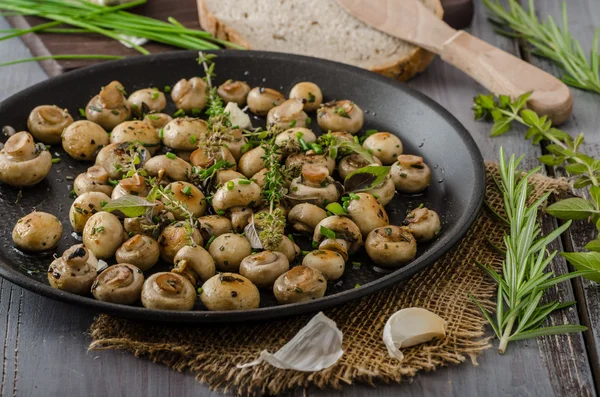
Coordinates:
193	139
179	113
244	182
336	209
187	190
291	237
196	112
155	95
171	155
311	97
161	133
317	148
356	264
220	212
308	120
167	89
230	185
103	203
81	112
113	182
357	285
292	123
55	160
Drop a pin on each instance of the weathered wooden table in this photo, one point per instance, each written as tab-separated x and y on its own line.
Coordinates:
44	343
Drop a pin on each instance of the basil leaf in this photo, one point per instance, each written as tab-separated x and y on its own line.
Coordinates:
573	208
328	233
593	245
356	148
336	209
585	261
365	178
595	193
130	206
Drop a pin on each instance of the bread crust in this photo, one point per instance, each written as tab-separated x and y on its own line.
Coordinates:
401	70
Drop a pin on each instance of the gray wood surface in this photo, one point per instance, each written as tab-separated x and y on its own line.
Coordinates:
45	343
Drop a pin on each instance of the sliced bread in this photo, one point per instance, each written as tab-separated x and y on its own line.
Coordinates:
319	28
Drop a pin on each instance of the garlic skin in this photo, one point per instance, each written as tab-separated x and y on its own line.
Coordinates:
410	327
318	345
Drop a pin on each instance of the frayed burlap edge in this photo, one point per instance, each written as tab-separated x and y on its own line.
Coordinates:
212	352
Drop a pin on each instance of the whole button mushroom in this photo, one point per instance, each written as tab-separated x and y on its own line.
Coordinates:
309	93
299	284
75	271
214	225
136	131
252	161
314	186
240	217
311	158
22	163
384	192
47	122
289	140
140	250
115	158
343	116
261	100
185	133
37	231
228	250
147	100
190	95
168	291
288	248
103	234
346	232
410	174
120	284
197	259
82	139
234	91
95	179
367	212
134	185
204	158
158	121
385	146
235	143
305	217
176	236
84	206
224	176
170	165
190	196
236	193
229	291
391	246
330	263
263	268
423	223
287	115
110	107
353	162
260	178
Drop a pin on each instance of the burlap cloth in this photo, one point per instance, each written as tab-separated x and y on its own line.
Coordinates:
212	352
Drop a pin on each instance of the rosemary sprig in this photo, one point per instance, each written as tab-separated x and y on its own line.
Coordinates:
550	41
521	286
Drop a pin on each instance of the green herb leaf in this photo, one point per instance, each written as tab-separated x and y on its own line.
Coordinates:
593	245
336	209
585	261
130	206
365	178
328	233
573	208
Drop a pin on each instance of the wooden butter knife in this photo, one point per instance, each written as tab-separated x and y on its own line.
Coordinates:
497	70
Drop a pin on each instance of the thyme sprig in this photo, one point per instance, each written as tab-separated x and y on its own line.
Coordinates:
521	286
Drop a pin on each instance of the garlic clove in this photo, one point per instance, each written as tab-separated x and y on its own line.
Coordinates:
410	327
237	116
315	347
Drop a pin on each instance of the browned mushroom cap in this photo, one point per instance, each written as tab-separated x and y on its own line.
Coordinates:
190	95
37	231
176	236
229	291
410	174
287	115
305	217
74	271
120	283
344	230
140	250
234	91
47	122
236	193
147	100
197	259
82	139
240	217
353	162
423	223
385	146
289	140
157	121
168	291
110	107
84	206
391	246
261	100
263	268
228	250
204	158
311	158
103	234
185	133
340	116
21	161
367	212
288	248
224	176
136	131
385	191
299	284
214	225
116	158
309	93
313	186
172	167
95	179
330	263
190	196
134	185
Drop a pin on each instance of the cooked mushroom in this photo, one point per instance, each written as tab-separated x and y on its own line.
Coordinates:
299	284
190	95
84	206
228	250
110	107
205	158
236	193
158	121
260	177
83	138
95	179
120	284
391	246
74	271
172	166
140	250
117	158
240	217
252	161
136	131
353	162
309	93
184	133
235	143
346	232
176	236
261	100
224	176
234	91
168	291
214	225
289	140
229	291
410	174
190	196
367	212
197	259
37	231
385	146
423	223
336	245
22	162
134	186
330	263
47	122
314	186
263	268
147	100
103	234
311	158
340	116
384	192
288	248
287	115
305	217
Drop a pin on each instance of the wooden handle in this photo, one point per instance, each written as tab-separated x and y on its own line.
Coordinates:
503	73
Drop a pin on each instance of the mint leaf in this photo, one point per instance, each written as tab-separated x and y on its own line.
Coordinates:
501	126
576	169
530	117
572	208
595	193
585	261
130	206
593	245
365	178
